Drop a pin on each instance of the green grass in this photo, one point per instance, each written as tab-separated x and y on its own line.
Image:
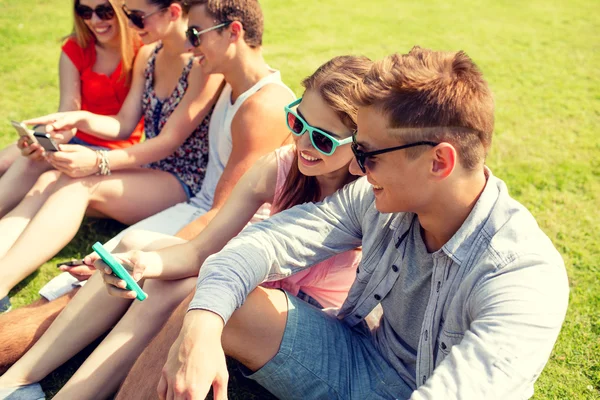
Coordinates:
541	59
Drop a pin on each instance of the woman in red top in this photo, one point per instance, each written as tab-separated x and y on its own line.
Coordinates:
95	74
176	97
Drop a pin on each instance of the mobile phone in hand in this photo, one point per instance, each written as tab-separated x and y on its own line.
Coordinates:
46	141
24	131
72	263
119	271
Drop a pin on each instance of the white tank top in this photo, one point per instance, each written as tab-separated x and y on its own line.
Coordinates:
220	143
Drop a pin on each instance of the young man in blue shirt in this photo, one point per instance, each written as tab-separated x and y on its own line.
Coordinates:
473	293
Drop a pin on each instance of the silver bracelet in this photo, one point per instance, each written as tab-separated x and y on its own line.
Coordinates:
103	163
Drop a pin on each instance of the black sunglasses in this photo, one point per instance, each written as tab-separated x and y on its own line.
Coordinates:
193	34
362	156
137	17
103	11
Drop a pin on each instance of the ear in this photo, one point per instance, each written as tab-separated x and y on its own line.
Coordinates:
236	30
175	11
444	160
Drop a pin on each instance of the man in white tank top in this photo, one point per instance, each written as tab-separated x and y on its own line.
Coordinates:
253	98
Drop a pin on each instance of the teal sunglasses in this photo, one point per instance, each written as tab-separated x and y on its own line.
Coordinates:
325	142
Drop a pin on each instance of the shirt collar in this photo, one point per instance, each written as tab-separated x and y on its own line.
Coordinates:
461	243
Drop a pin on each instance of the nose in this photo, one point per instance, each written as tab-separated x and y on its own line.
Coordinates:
354	169
303	140
95	18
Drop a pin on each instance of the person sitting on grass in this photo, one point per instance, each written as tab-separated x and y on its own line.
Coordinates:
253	97
176	98
312	169
95	70
473	293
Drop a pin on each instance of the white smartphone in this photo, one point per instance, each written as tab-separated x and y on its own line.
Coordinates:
24	131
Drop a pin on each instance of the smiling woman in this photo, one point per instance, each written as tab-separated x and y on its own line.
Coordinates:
172	94
95	75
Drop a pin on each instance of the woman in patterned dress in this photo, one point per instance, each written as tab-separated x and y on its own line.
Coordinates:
175	98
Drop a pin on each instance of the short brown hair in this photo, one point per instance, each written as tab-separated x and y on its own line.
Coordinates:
248	12
333	81
444	91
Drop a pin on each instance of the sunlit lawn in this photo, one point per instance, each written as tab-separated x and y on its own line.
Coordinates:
541	59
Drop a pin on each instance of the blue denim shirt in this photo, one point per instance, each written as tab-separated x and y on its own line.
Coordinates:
498	295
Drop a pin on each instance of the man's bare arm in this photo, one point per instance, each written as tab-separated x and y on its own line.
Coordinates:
250	142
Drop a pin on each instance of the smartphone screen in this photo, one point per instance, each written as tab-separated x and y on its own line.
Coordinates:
46	141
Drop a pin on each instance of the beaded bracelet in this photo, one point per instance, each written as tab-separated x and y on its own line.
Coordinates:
103	164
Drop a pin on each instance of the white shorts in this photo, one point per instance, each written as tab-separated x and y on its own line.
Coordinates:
168	222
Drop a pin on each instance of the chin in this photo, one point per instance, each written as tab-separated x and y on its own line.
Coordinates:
386	208
304	172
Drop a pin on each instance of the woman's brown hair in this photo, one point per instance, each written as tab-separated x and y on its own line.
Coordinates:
333	81
129	40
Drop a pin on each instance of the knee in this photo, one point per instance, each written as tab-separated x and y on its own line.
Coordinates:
46	179
169	293
5	163
133	240
139	239
45	183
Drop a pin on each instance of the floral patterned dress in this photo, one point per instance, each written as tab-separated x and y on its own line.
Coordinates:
189	161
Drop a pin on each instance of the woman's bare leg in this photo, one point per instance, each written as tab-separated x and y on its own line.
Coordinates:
252	336
109	363
127	196
14	223
91	312
142	379
8	155
18	180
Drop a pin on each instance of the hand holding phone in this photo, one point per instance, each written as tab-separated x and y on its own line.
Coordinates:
46	141
71	263
24	132
77	268
119	271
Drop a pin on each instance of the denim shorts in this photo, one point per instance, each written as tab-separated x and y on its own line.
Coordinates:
186	188
321	357
76	140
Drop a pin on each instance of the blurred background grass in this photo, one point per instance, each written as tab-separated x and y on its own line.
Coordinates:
541	59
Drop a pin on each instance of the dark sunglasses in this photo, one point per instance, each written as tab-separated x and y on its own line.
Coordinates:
321	140
103	11
362	156
137	17
193	34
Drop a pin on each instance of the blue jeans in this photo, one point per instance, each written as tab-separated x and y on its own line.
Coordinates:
321	357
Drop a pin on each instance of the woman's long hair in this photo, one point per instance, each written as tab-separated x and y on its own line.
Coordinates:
130	42
333	81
